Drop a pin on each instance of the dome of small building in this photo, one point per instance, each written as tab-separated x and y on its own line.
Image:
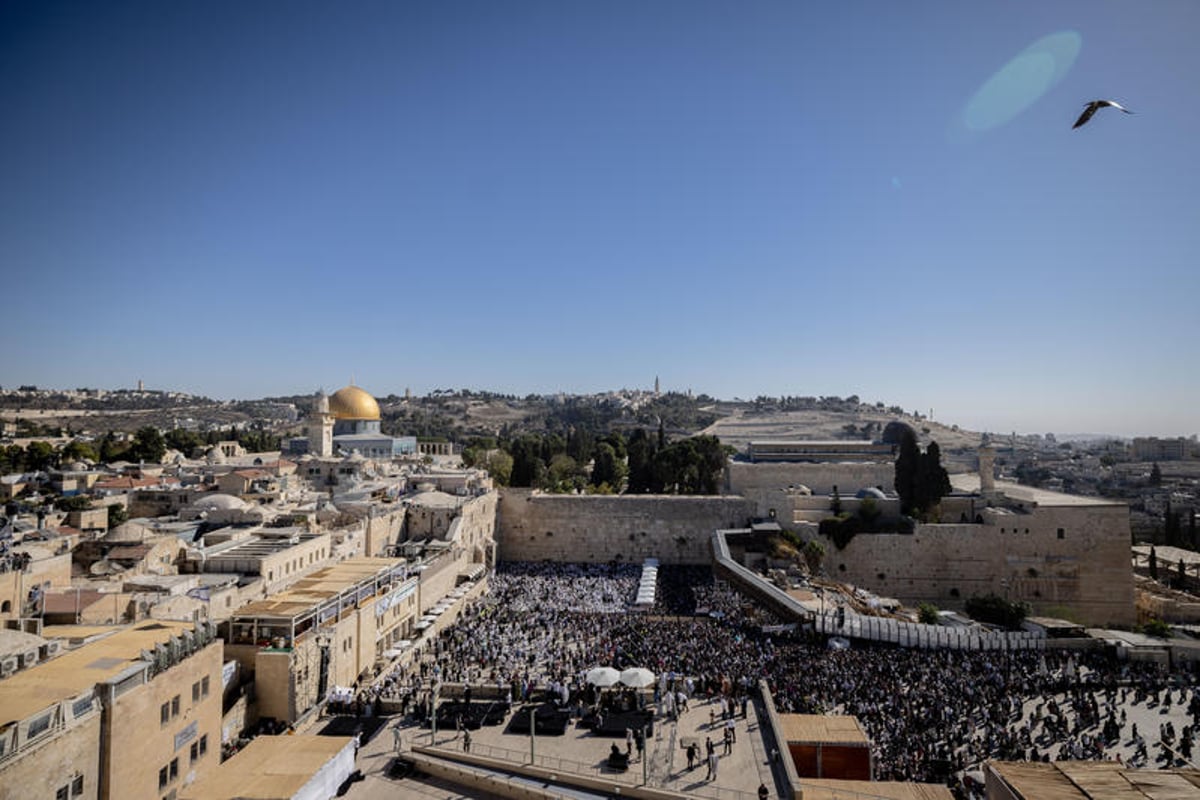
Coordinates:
871	491
129	532
219	502
894	432
353	403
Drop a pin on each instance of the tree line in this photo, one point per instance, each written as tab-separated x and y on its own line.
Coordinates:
578	461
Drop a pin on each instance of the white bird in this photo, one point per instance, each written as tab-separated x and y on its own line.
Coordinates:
1093	107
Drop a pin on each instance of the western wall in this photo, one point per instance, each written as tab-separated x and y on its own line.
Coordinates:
532	526
1063	556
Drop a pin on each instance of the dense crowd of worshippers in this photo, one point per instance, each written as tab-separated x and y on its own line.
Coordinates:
930	714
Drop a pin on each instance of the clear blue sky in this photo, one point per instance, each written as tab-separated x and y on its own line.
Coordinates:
243	199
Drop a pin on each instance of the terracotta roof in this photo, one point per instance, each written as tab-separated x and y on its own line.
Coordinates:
130	552
126	482
253	473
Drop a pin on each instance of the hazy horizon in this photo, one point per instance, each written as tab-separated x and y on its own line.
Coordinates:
998	430
241	200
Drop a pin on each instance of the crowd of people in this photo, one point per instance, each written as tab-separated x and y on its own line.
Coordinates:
930	714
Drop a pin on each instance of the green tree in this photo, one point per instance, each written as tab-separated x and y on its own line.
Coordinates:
607	468
996	610
641	462
927	614
78	502
562	473
40	456
1153	564
933	483
110	449
580	445
528	468
116	515
1157	628
1155	475
814	555
908	464
148	445
500	467
184	441
79	451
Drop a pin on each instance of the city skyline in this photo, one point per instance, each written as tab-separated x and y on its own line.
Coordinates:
533	198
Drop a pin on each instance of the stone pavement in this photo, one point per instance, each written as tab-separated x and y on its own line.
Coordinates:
578	752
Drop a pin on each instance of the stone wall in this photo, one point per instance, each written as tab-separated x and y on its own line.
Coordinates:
43	769
599	528
766	484
1084	575
384	529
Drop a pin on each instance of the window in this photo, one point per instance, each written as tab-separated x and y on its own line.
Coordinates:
162	777
204	744
204	686
1062	533
77	786
61	794
196	692
38	727
195	751
174	768
175	706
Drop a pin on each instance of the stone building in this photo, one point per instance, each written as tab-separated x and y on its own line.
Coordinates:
326	630
348	421
65	724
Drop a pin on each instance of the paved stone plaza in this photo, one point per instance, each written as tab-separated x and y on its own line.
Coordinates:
579	752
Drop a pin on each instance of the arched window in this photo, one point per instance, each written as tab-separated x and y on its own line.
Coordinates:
6	607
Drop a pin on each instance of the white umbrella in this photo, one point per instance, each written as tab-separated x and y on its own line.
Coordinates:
637	677
602	676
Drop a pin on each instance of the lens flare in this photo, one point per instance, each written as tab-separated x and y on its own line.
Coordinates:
1019	83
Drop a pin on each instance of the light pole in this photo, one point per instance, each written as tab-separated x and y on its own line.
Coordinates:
532	735
434	687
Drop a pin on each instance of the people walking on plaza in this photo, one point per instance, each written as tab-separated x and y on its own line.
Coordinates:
396	736
466	741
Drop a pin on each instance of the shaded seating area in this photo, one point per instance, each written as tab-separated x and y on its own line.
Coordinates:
547	719
617	722
473	715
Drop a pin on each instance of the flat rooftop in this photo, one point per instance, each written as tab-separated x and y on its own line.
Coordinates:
1094	780
269	767
969	482
826	789
71	674
822	729
318	587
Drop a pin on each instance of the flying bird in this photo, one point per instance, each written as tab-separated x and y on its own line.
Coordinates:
1093	107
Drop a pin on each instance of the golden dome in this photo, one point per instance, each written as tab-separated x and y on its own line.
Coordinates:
353	403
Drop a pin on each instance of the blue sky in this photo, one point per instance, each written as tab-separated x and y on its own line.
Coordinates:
244	199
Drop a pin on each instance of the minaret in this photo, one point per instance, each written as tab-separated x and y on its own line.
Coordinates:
656	390
320	428
987	470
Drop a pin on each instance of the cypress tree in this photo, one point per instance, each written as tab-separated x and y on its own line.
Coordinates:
908	463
